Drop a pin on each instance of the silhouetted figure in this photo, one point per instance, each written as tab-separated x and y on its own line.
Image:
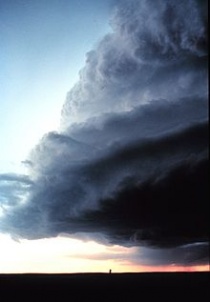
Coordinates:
110	271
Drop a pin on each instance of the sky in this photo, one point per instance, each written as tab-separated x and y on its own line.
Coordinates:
43	47
104	128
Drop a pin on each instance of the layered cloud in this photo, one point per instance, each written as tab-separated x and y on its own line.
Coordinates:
129	164
185	255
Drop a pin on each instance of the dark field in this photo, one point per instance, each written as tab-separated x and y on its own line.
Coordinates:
105	287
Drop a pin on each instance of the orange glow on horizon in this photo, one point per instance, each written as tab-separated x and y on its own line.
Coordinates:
67	255
171	268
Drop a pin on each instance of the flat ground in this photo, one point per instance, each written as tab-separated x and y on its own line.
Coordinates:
106	287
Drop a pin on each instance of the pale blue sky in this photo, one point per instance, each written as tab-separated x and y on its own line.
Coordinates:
42	47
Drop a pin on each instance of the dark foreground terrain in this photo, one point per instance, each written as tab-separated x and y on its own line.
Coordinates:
106	287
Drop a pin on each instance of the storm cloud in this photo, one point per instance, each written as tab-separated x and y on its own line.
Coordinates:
157	51
130	159
185	255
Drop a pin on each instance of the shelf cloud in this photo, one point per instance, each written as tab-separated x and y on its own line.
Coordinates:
129	163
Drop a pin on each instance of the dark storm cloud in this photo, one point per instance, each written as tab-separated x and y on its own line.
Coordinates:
156	51
132	193
159	212
150	120
186	255
130	163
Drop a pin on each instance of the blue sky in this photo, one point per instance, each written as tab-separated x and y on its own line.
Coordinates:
43	45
